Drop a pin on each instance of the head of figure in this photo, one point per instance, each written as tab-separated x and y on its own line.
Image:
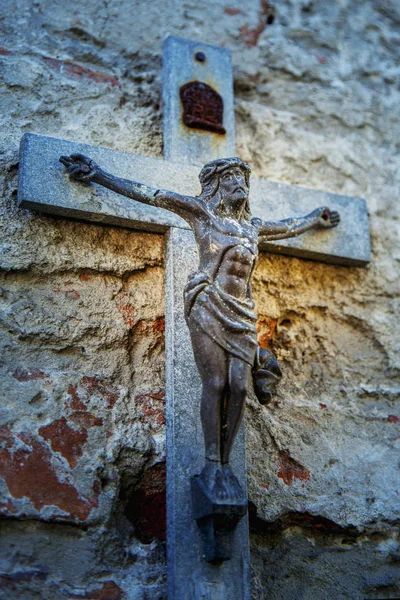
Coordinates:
225	187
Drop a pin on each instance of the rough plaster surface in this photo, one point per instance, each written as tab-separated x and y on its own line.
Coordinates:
82	437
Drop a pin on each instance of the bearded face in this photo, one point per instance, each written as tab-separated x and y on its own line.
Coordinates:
233	187
225	187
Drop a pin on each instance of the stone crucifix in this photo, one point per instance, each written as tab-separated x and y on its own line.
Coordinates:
215	300
219	308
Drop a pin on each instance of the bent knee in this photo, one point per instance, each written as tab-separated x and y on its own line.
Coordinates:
239	388
215	384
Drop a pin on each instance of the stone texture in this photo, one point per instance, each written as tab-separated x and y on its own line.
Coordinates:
317	105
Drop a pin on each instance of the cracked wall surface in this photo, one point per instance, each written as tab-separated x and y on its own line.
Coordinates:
82	431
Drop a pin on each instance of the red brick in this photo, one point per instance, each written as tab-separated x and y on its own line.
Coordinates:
159	325
85	419
128	312
233	11
309	521
65	440
290	469
393	419
108	391
147	508
266	329
21	374
70	69
109	591
251	36
152	409
76	402
28	472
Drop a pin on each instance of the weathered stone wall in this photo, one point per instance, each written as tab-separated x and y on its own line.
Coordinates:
82	457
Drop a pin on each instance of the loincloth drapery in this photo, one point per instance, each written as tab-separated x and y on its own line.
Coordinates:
229	321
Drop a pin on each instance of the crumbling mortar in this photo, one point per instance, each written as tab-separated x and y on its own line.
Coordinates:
318	528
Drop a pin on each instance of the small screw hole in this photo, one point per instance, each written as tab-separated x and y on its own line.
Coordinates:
200	56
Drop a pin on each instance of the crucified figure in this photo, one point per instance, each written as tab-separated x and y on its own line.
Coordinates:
219	309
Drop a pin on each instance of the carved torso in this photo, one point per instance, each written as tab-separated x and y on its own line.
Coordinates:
228	251
218	296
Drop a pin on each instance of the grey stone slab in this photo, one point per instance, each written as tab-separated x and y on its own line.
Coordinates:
347	244
189	576
182	143
44	186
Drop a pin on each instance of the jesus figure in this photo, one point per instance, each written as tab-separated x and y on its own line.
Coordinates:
219	309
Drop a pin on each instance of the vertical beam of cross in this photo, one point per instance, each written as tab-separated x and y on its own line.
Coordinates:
189	575
181	65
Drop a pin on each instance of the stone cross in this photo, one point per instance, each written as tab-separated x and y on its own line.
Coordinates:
198	127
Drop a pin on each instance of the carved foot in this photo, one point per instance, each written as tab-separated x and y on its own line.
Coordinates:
218	505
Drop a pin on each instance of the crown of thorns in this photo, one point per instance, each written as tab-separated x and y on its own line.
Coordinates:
215	167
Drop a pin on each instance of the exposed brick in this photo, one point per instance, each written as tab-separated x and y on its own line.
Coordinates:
65	440
28	472
159	325
85	419
308	521
251	36
152	408
393	419
266	329
147	507
128	313
109	591
290	469
80	415
108	391
70	69
233	11
73	294
76	402
22	375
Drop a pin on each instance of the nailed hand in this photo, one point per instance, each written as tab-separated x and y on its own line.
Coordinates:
80	167
328	218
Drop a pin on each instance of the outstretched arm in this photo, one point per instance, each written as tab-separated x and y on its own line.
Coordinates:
84	169
280	230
